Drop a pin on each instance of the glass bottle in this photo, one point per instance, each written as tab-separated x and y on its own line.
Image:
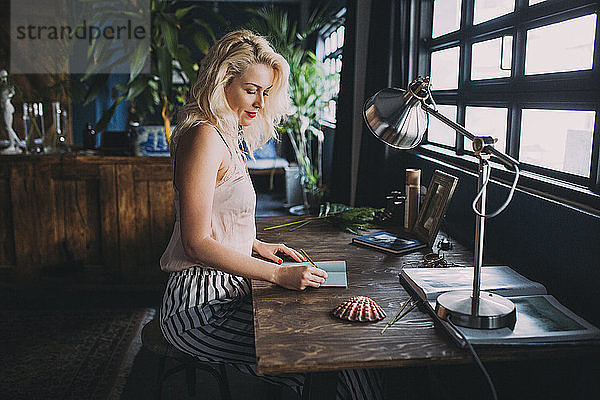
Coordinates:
35	137
41	121
26	121
52	138
63	143
57	142
89	137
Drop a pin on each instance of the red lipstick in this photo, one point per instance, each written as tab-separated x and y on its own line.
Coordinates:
250	114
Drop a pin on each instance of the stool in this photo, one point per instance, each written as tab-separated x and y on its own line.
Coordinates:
153	340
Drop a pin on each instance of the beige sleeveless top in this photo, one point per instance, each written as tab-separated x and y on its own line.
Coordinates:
232	219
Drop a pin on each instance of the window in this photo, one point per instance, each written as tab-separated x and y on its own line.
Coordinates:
444	68
573	40
442	134
329	50
523	71
446	17
491	58
488	121
490	9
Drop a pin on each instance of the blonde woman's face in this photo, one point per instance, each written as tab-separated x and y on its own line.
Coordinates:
246	93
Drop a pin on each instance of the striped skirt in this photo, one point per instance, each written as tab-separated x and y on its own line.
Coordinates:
208	314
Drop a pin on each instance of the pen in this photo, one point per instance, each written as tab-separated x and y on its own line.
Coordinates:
399	315
293	223
292	229
308	258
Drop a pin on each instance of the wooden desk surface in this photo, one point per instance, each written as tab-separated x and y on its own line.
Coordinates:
294	331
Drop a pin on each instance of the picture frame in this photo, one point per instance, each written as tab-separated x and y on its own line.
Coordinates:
438	196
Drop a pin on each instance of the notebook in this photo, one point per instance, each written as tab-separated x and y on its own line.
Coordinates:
336	272
389	242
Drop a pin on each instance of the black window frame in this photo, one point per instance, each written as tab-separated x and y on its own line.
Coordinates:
340	20
573	90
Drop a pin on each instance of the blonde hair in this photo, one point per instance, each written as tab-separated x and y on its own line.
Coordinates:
227	59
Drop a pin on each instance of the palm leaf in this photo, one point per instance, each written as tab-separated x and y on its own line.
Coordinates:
351	219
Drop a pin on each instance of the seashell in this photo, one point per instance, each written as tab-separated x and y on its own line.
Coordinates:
359	308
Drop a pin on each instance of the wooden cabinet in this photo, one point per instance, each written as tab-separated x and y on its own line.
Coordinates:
116	212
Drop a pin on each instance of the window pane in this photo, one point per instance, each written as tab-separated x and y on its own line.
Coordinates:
487	121
441	133
340	36
490	9
329	112
444	69
446	17
488	56
558	139
564	46
532	2
334	41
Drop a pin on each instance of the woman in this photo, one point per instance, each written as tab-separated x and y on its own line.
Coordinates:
239	97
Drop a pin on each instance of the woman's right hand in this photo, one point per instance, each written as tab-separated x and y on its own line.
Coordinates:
299	277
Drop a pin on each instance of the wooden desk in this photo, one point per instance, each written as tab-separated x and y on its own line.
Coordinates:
295	333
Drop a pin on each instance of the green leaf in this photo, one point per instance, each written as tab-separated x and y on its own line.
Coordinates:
181	12
155	97
153	84
137	60
200	42
169	35
121	87
98	84
95	48
165	63
108	114
348	218
136	87
207	28
185	61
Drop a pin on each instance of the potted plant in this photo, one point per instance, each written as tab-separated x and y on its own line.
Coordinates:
311	89
168	58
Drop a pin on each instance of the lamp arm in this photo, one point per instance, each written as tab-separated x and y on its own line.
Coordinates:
507	160
460	129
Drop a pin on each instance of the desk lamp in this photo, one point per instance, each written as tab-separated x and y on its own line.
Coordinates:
399	118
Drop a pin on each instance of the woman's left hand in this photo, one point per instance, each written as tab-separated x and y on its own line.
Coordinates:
270	250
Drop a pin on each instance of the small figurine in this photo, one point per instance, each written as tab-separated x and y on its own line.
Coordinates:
6	94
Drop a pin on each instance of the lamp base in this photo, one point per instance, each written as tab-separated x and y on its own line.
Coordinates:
495	311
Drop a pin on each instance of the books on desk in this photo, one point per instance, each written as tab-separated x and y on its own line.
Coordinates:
390	242
541	319
336	272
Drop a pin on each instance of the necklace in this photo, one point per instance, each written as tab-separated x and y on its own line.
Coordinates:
242	143
243	149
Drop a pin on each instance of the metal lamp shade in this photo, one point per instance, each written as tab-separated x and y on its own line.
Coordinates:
396	118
